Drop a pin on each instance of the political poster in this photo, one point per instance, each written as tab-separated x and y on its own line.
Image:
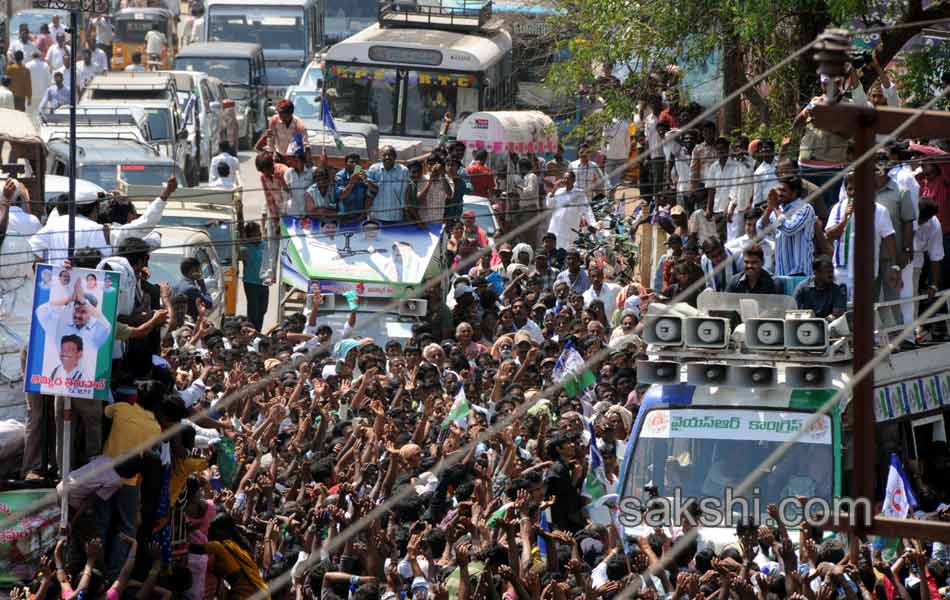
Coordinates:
71	332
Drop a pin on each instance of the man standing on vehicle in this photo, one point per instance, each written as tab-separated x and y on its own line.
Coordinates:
351	189
281	129
275	190
389	182
155	43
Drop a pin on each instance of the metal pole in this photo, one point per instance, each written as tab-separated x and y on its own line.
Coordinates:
74	50
863	423
67	447
67	402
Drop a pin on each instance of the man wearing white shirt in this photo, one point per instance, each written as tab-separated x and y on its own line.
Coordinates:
721	178
57	29
22	43
56	52
85	70
40	79
50	243
601	290
98	58
570	206
589	177
928	240
738	245
6	96
19	222
617	150
56	95
102	25
225	155
764	178
679	152
64	71
740	198
840	232
136	66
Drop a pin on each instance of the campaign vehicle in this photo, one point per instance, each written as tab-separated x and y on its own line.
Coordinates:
381	265
103	161
736	379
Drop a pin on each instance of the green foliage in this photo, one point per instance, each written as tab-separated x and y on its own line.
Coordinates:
920	79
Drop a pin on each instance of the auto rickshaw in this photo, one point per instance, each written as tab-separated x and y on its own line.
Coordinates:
131	25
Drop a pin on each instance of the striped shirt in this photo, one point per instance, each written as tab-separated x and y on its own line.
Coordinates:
390	200
794	237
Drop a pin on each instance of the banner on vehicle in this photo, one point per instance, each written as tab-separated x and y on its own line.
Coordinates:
736	424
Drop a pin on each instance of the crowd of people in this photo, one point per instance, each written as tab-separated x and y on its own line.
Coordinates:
265	449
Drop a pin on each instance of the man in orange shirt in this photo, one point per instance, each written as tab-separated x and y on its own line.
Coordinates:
20	82
275	191
281	129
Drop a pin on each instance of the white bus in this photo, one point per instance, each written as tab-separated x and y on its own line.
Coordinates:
405	77
290	32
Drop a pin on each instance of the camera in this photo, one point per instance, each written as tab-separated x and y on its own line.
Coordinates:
860	59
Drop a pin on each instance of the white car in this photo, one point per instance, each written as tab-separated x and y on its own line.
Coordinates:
198	103
179	243
56	185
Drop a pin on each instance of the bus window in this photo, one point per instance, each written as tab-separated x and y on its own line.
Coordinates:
346	17
431	94
279	28
364	100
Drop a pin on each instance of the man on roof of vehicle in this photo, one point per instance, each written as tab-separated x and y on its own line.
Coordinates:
280	131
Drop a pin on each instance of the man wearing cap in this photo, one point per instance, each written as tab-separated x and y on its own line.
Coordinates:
504	253
281	131
51	243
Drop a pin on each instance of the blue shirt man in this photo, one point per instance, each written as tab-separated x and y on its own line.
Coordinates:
351	188
390	181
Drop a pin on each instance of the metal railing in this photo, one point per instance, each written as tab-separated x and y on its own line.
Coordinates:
443	14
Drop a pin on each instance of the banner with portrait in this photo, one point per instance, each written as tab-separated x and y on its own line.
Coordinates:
71	332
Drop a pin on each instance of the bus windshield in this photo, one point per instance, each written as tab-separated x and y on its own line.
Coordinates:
706	452
274	28
133	31
235	71
346	17
365	95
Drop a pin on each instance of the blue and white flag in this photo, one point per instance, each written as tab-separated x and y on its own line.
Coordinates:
596	484
898	496
328	123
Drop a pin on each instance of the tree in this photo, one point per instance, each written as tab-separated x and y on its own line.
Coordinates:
643	37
